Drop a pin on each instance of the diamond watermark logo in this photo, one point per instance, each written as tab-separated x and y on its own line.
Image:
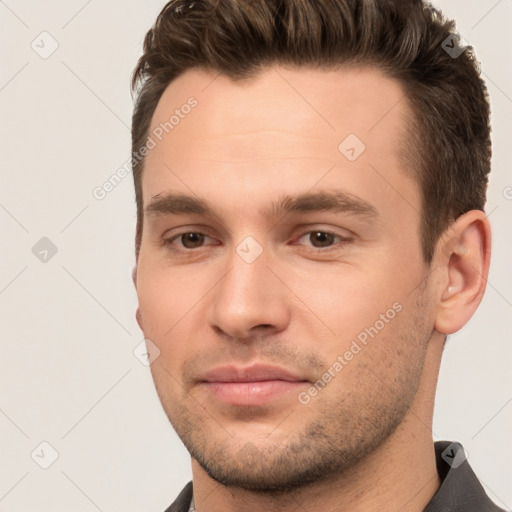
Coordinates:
454	455
146	352
454	45
45	45
249	249
44	455
351	147
44	250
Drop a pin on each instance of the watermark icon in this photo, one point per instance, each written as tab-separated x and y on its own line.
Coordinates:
507	193
454	455
249	249
454	45
44	250
157	134
44	455
351	147
146	352
356	347
45	45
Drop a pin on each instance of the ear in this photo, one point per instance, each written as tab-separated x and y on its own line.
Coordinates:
138	316
462	256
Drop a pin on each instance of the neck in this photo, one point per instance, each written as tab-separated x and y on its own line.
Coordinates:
400	474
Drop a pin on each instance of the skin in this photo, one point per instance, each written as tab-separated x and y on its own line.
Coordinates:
364	441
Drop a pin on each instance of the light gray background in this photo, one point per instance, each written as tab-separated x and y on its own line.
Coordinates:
67	372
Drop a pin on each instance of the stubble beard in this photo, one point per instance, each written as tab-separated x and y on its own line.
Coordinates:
342	432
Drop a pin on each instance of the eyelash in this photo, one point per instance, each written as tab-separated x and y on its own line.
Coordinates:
168	242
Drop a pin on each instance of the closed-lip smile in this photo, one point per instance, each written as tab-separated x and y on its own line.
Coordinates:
253	385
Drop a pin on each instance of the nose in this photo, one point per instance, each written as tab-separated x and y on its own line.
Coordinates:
249	300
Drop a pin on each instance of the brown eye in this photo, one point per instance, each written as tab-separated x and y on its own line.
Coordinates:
322	241
321	238
192	240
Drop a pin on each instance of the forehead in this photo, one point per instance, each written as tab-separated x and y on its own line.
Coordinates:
300	101
282	122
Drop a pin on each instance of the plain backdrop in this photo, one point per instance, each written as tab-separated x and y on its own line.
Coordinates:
68	374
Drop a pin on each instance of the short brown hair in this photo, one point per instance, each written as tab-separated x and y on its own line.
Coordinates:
449	146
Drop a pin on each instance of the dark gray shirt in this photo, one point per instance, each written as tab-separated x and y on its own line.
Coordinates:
460	490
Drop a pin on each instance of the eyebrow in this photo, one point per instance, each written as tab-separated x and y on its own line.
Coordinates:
334	201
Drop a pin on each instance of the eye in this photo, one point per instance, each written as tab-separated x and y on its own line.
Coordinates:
188	240
323	239
319	240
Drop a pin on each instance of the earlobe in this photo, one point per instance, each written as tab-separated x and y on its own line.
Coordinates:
463	258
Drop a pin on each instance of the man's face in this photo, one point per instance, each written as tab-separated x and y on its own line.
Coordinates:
292	338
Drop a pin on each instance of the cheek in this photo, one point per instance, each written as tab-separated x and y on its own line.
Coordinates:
165	297
375	323
384	357
172	302
346	298
163	306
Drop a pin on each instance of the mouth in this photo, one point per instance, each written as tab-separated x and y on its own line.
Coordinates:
251	385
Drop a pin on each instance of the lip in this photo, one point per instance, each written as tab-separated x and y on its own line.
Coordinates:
253	373
251	385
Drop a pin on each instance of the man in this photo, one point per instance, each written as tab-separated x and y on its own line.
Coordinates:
310	179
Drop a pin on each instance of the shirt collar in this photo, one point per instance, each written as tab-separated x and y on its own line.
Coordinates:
460	490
